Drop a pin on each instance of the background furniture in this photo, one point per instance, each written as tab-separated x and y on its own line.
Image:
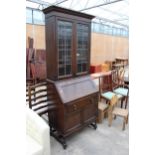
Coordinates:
105	67
99	68
121	88
37	134
114	111
102	109
41	98
126	76
99	77
118	77
107	84
35	64
95	68
123	61
124	91
110	63
40	64
117	66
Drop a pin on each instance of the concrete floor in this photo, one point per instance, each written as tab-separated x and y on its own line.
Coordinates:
104	140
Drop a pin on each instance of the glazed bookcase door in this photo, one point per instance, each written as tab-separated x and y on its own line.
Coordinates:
82	52
64	46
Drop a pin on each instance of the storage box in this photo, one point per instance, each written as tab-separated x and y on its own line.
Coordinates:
95	68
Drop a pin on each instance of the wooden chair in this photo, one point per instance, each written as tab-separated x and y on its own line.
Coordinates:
102	109
108	93
114	111
117	77
121	73
119	87
41	98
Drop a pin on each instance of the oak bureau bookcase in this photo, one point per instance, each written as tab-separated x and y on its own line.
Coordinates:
68	64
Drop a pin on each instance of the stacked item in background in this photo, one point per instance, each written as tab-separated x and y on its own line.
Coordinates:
35	64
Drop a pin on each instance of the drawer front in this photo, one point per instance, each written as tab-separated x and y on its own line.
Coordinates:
91	110
80	113
80	104
72	121
89	113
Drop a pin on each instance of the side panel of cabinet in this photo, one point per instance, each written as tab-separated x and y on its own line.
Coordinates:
51	51
89	48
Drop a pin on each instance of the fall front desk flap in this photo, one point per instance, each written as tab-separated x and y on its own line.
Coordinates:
72	89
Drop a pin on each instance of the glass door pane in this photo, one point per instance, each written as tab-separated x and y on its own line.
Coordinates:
82	48
64	47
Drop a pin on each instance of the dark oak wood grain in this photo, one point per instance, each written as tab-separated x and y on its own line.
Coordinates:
74	110
68	60
80	26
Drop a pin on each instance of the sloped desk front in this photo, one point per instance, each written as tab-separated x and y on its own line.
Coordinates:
78	105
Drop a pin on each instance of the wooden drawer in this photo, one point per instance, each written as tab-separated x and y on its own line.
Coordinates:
72	121
78	105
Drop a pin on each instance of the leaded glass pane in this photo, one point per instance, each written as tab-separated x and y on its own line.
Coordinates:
64	47
82	47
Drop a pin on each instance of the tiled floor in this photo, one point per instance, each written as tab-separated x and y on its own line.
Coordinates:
103	141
